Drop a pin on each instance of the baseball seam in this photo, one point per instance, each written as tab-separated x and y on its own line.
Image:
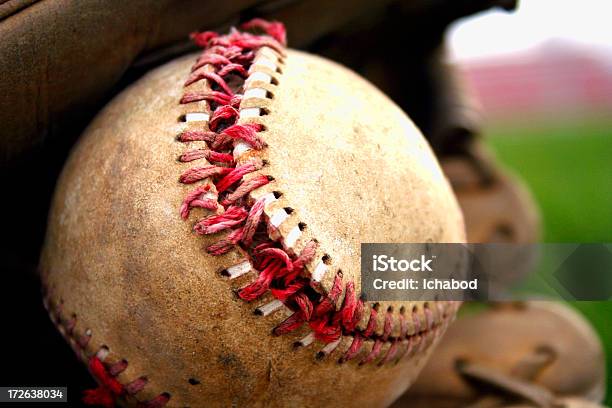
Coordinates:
238	193
110	389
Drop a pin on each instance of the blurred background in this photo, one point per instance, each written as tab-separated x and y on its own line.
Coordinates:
543	76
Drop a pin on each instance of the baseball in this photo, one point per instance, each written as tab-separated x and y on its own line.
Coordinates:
203	246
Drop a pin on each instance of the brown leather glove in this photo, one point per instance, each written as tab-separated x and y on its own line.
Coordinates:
534	354
60	60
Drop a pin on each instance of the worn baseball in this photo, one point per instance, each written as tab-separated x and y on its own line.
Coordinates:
203	244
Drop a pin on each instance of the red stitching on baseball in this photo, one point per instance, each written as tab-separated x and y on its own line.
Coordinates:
109	388
279	272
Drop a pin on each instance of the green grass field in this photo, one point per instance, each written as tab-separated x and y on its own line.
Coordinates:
568	168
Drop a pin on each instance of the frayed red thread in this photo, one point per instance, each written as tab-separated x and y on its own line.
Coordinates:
252	221
325	329
246	187
236	174
290	324
283	294
391	353
225	245
246	133
109	389
276	264
387	326
211	76
196	199
202	39
200	173
351	309
210	96
274	29
304	305
197	136
233	68
215	223
371	327
223	114
262	283
210	59
277	253
209	155
354	348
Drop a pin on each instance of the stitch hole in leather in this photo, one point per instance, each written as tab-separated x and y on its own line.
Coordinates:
224	124
302	226
326	258
102	352
277	194
194	381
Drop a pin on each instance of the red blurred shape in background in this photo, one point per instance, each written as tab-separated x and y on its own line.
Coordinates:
555	78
